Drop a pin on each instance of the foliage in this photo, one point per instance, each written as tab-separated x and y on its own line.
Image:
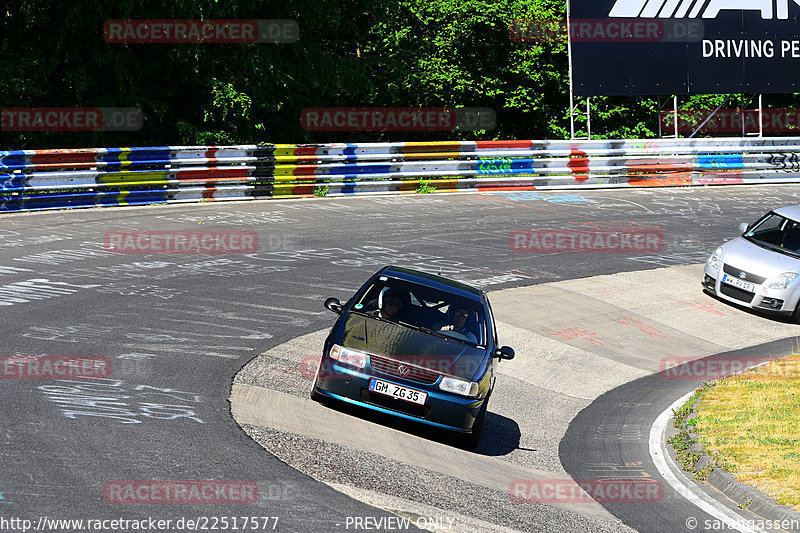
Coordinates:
425	187
353	53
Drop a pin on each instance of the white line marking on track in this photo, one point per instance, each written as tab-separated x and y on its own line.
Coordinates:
695	496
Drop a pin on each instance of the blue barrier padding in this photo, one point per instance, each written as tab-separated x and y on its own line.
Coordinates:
353	170
349	188
12	182
721	161
12	161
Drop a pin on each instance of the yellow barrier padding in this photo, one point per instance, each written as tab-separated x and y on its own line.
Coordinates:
157	177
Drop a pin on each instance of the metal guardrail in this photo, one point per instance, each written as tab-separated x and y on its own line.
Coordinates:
56	179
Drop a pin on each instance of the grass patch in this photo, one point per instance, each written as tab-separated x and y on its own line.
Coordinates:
681	442
752	422
425	187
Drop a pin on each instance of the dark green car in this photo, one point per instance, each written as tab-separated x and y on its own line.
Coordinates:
417	346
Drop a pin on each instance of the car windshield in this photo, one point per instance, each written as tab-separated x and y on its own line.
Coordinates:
776	233
433	311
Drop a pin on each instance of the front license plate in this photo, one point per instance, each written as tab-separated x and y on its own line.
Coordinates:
396	391
736	282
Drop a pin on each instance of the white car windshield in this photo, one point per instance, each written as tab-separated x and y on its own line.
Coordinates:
776	232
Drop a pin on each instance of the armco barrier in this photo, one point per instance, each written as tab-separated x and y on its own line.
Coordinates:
54	179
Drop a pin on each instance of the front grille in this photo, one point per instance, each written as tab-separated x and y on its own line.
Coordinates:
415	373
736	293
401	406
733	271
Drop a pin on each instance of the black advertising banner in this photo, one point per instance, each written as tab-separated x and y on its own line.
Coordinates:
651	47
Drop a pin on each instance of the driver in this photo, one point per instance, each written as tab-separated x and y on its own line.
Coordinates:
458	323
391	304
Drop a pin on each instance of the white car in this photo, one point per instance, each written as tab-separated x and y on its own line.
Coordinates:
760	269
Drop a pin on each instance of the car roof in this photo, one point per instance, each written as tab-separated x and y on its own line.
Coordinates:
433	280
789	211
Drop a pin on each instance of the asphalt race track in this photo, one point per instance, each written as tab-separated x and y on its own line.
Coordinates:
584	445
179	329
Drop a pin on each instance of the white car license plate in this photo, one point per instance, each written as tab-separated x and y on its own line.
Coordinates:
736	282
396	391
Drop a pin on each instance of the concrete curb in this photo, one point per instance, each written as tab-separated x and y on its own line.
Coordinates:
752	499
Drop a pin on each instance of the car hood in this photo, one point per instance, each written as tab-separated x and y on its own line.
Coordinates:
410	346
744	255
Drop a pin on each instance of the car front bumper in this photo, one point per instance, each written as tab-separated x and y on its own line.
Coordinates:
763	298
441	410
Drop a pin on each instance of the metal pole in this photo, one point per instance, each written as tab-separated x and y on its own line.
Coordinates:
588	120
741	109
571	93
675	113
760	117
658	101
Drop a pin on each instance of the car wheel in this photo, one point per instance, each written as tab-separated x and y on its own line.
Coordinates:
469	442
796	314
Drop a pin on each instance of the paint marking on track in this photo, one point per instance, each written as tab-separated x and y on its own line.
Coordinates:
660	456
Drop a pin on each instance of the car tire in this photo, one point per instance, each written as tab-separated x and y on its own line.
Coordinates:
796	314
471	441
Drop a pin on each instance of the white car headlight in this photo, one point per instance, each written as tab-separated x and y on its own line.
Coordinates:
348	356
713	261
459	386
784	280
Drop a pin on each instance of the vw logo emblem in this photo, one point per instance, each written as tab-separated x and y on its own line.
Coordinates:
403	370
742	275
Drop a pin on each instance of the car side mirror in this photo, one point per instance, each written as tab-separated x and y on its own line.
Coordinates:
504	352
743	227
334	305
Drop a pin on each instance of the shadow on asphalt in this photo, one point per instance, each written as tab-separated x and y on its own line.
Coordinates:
501	435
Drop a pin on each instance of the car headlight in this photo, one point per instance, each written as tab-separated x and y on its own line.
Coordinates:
459	386
713	261
784	280
348	356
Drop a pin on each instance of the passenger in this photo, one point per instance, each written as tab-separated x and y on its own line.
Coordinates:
458	323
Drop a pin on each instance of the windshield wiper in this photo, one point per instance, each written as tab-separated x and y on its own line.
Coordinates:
774	247
435	333
424	330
